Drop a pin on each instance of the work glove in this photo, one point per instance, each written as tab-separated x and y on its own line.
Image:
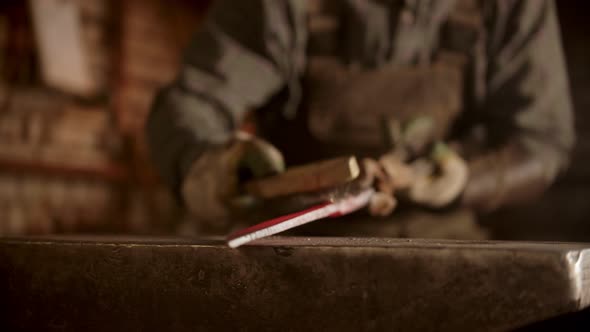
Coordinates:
387	175
438	180
211	189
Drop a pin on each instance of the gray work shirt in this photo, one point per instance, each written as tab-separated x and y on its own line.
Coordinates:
248	51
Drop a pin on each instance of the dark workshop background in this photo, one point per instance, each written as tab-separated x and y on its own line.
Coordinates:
72	152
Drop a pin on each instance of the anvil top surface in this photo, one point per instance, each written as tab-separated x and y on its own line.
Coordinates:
97	283
291	241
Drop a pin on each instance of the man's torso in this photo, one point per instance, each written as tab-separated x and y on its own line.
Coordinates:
369	63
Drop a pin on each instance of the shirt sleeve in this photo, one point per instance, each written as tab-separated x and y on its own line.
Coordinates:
525	103
244	53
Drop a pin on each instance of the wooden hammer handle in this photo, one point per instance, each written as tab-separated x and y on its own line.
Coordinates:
307	178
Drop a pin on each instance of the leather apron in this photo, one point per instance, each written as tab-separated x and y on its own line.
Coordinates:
346	107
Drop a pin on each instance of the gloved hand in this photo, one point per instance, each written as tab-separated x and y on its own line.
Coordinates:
439	180
212	186
387	175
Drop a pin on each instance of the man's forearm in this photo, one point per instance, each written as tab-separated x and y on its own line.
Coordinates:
507	176
180	127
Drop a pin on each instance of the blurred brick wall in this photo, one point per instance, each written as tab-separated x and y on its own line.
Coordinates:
58	156
71	164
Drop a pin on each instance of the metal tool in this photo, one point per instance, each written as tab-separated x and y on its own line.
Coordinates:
336	207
